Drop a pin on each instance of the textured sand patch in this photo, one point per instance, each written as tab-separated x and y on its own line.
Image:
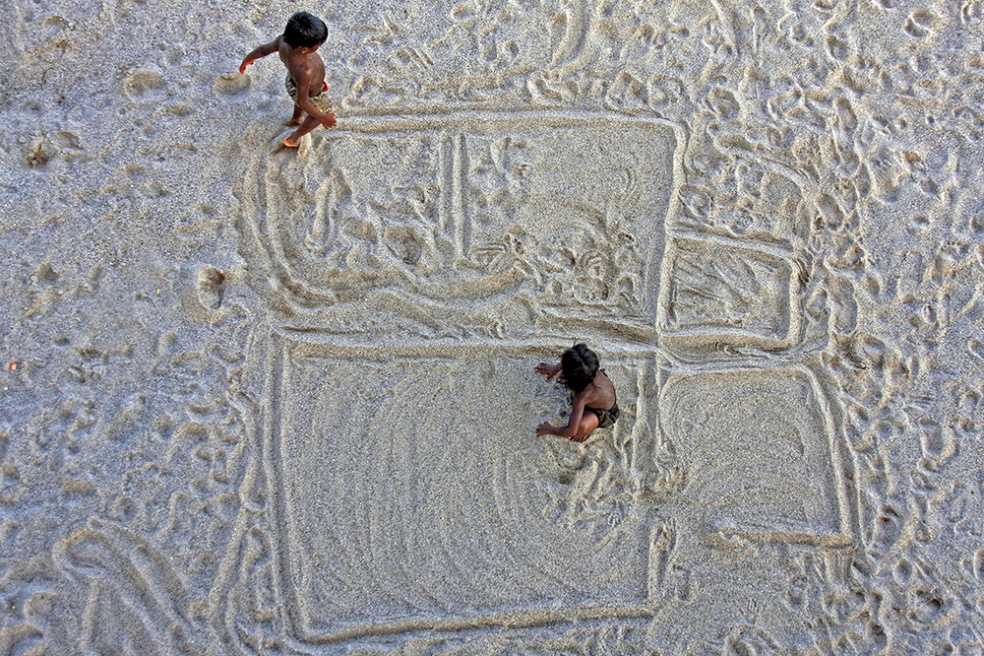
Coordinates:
260	401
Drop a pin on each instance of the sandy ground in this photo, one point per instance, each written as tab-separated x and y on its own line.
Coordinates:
260	401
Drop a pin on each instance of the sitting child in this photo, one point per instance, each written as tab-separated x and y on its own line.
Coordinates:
593	394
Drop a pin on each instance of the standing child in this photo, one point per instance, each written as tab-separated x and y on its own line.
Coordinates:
594	402
298	48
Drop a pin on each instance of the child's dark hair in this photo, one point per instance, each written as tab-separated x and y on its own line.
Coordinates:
579	365
305	30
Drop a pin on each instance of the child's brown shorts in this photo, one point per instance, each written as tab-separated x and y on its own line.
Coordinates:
321	101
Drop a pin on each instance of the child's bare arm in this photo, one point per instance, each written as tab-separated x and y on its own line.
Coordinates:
548	370
302	78
327	120
258	52
570	430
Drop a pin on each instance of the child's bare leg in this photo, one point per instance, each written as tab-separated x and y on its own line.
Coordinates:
589	422
307	125
296	118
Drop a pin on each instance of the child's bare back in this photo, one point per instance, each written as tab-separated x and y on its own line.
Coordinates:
305	83
594	403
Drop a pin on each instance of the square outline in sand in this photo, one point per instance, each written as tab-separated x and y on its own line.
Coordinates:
702	332
637	609
843	535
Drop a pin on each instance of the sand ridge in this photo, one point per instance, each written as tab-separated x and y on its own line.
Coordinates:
265	401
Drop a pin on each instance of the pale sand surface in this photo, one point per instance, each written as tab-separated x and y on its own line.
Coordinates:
260	401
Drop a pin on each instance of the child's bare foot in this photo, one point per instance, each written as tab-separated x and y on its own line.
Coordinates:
293	140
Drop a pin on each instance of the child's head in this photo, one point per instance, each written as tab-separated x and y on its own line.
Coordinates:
305	31
578	365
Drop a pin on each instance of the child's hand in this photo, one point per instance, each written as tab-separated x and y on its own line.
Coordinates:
544	429
548	370
246	62
329	120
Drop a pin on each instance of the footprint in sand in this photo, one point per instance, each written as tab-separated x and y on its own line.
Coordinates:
976	349
230	84
978	565
211	287
144	85
44	274
40	154
919	24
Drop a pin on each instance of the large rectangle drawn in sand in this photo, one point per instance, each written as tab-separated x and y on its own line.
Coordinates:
465	211
383	528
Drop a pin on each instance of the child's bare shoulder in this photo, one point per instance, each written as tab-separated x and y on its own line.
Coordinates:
282	46
298	68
